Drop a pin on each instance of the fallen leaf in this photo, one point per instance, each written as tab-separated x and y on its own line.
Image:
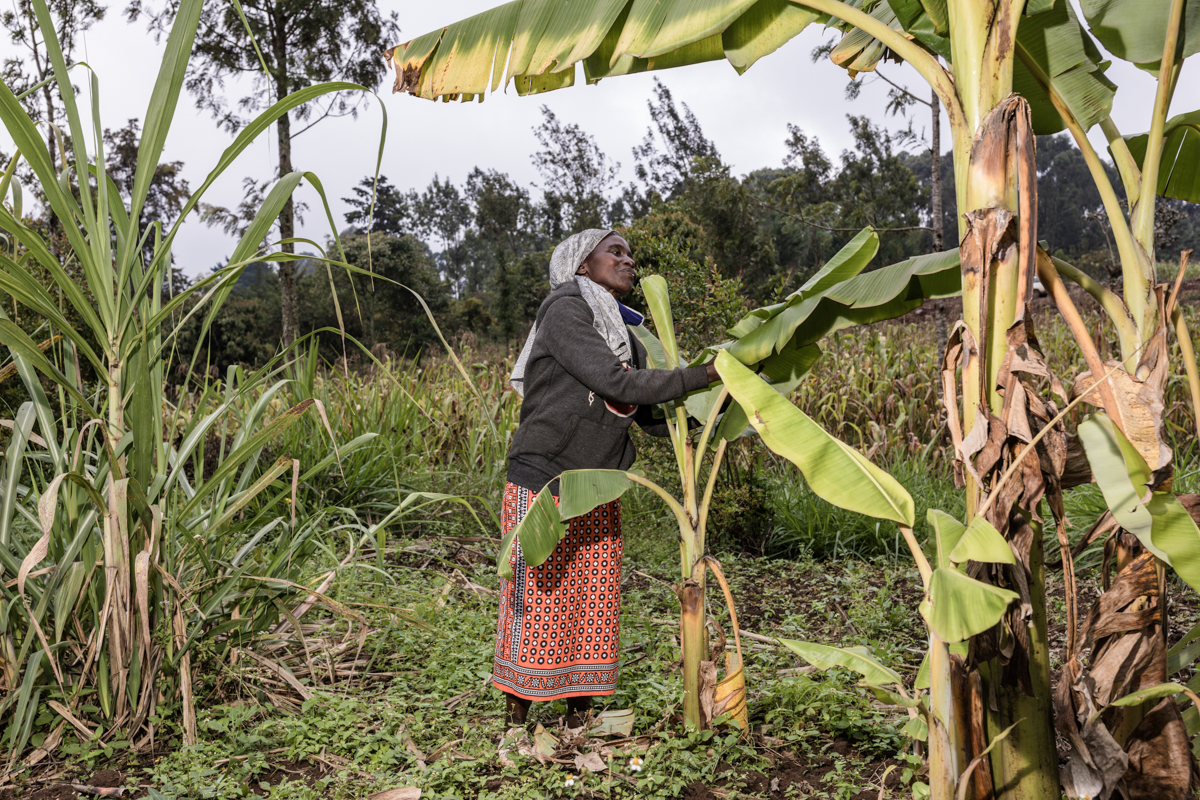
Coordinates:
403	793
615	722
544	744
591	762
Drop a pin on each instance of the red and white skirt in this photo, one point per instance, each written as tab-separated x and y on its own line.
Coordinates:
559	632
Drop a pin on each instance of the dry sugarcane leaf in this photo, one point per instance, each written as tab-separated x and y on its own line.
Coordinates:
1077	470
990	235
544	745
991	451
1160	758
1033	482
974	441
1138	580
1125	622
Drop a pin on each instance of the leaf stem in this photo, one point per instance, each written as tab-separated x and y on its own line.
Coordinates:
924	63
1143	212
1108	300
1188	352
1131	174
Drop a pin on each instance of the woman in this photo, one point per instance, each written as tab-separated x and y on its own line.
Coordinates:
584	381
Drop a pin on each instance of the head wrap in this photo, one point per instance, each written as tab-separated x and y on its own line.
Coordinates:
606	311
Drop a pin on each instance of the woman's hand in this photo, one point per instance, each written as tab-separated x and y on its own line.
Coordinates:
711	369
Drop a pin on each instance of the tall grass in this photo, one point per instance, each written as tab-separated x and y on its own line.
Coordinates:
136	531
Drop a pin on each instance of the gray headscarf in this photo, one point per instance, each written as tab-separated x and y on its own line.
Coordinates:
567	258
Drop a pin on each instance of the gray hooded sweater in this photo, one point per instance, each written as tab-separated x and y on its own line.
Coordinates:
575	389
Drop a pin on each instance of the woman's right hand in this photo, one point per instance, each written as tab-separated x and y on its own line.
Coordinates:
711	369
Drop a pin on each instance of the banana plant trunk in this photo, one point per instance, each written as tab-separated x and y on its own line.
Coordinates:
694	646
996	187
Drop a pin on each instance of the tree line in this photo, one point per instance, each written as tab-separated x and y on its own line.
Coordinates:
478	252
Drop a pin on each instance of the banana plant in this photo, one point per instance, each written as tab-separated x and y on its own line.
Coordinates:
837	296
1004	71
121	555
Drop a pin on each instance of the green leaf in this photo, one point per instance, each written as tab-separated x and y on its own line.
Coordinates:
540	530
1149	693
1178	176
885	695
868	297
542	41
834	470
856	659
1136	30
1161	523
946	533
960	607
655	357
1104	454
982	542
581	490
1174	534
916	728
654	287
845	264
1053	51
1184	651
783	371
763	29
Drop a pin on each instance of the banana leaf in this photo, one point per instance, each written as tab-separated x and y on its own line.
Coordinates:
1135	30
542	42
1178	173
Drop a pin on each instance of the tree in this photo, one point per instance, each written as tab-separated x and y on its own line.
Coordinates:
375	309
504	214
575	171
681	140
900	99
392	212
443	213
519	285
873	185
730	218
168	191
70	18
295	45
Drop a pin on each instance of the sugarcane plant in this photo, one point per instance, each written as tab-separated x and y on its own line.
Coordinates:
1004	71
123	553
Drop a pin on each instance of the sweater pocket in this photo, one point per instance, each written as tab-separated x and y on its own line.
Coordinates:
594	445
565	439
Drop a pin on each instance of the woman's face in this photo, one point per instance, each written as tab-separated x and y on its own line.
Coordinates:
611	266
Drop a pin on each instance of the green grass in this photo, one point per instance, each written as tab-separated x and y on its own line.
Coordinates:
383	725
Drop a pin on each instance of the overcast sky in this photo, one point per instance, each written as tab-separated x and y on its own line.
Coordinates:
745	116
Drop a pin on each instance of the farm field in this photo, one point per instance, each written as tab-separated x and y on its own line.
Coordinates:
384	687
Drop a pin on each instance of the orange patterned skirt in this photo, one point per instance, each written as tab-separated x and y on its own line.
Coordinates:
558	634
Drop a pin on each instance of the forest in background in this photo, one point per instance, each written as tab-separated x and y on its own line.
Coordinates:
478	252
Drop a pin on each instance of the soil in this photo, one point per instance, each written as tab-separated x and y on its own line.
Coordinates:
104	779
293	771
